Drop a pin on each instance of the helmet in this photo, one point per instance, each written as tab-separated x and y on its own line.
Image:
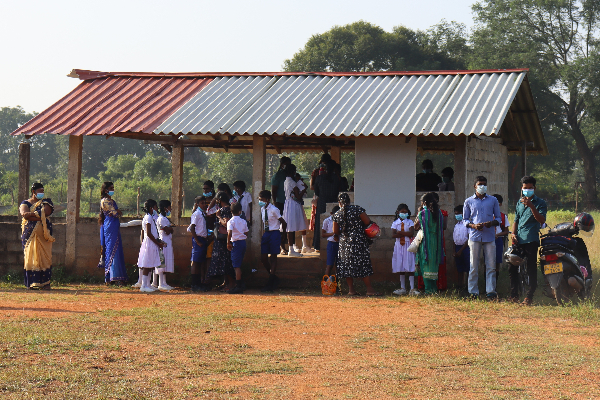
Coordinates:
514	255
584	222
372	230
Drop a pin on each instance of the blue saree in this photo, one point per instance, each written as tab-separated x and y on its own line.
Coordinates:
110	240
37	240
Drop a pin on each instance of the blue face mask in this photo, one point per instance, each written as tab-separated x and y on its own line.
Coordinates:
111	193
209	194
403	215
481	189
458	217
528	192
39	196
154	213
262	203
168	214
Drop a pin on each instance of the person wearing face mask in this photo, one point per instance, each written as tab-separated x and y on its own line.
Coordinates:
461	247
403	261
110	237
481	214
165	233
428	181
37	238
447	185
278	190
530	214
149	257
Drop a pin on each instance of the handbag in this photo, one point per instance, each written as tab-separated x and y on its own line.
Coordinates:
414	246
328	285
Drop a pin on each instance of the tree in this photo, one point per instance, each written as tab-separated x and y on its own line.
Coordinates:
10	119
230	167
559	41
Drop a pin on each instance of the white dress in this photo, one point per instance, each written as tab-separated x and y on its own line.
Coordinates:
149	256
293	212
403	260
162	222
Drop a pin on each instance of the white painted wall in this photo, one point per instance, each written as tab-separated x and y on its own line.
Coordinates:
384	173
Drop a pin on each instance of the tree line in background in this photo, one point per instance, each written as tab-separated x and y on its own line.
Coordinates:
558	40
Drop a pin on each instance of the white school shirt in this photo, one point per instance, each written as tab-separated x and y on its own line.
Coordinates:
273	216
149	219
460	234
328	227
397	225
506	224
238	228
246	201
198	220
163	222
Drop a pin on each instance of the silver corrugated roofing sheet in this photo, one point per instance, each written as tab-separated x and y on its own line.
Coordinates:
470	104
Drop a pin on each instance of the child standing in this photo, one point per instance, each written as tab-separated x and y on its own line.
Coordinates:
220	263
271	238
149	257
293	212
236	244
462	256
501	235
403	261
302	188
199	244
333	244
165	233
244	198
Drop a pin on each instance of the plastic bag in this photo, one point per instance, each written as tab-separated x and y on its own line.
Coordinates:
328	285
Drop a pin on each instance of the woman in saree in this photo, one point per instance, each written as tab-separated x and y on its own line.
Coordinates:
110	237
37	238
430	252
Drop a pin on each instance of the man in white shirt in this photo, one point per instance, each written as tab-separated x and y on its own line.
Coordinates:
244	198
236	243
271	238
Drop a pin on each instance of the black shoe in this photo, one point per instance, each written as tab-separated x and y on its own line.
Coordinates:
236	290
269	286
197	288
275	283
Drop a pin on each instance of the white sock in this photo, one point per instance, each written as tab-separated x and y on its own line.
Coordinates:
155	278
145	280
139	282
162	278
403	281
411	279
304	241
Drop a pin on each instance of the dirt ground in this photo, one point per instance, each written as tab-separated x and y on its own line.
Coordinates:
94	342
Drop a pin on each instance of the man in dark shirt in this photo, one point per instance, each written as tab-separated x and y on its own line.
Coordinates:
428	180
279	194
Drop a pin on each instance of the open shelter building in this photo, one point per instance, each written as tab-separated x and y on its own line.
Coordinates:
385	118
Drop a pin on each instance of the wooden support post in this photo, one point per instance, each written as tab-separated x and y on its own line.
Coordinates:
259	155
177	183
24	162
336	154
73	198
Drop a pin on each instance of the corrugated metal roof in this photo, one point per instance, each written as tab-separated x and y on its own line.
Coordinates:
423	104
105	106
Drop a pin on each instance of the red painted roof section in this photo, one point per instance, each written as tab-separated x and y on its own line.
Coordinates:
111	104
85	74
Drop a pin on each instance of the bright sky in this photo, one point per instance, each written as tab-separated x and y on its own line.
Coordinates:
41	41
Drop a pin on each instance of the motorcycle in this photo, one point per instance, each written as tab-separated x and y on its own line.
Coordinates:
565	261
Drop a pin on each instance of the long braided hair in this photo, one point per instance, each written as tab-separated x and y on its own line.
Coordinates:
428	200
344	201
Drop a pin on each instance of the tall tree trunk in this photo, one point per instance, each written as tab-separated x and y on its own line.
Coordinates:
589	163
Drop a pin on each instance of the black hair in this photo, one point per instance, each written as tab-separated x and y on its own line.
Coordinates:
459	209
436	197
103	194
499	198
344	200
265	194
329	170
223	187
162	206
427	164
285	160
480	179
402	206
429	201
149	205
236	208
209	183
337	168
223	197
290	170
528	179
240	184
325	158
197	201
448	171
36	186
335	209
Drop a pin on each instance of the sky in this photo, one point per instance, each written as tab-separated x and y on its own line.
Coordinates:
42	41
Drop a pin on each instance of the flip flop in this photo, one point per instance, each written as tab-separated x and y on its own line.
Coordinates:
376	294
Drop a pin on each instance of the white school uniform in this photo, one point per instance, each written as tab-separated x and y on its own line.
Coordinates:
506	224
199	223
460	234
293	212
245	201
238	228
163	222
149	256
403	260
328	227
273	216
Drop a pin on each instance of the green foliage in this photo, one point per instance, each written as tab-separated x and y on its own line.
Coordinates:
10	119
230	167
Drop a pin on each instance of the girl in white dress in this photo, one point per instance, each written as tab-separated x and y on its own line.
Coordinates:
293	211
149	257
302	187
403	261
165	233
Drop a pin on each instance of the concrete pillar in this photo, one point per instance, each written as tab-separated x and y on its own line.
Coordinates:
24	162
73	197
177	183
259	162
336	154
460	170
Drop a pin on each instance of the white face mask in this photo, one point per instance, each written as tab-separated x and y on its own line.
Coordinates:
482	189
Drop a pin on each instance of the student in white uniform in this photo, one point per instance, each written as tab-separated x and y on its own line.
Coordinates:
293	211
165	233
244	198
403	261
149	257
333	241
271	238
302	187
200	246
236	243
